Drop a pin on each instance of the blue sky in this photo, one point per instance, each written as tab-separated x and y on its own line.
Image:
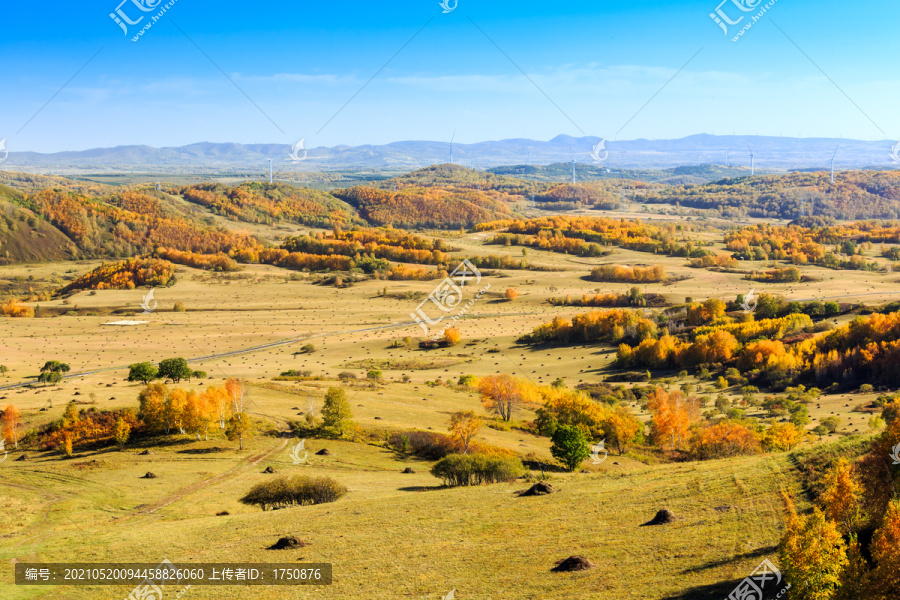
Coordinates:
592	69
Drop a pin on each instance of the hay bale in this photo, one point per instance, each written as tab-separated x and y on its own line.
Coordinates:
323	452
573	563
663	517
286	543
539	489
149	475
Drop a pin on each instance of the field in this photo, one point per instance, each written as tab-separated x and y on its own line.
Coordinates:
395	534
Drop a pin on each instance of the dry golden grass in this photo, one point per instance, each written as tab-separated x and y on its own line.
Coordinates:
387	538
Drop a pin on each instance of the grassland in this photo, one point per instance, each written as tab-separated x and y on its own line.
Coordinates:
393	535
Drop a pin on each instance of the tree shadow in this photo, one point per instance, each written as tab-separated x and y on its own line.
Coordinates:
420	488
759	553
213	450
713	591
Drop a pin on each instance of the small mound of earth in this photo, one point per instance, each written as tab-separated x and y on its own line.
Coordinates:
539	489
269	470
406	470
224	513
149	475
663	517
723	508
21	458
573	563
324	452
145	453
286	543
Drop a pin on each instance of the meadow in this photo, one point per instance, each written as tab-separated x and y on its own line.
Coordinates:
395	534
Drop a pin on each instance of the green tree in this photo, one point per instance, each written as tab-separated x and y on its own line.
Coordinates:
239	426
832	424
336	415
4	369
143	371
570	446
374	375
54	366
175	369
199	375
52	371
50	377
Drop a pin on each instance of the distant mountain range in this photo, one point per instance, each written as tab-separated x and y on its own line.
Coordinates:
770	153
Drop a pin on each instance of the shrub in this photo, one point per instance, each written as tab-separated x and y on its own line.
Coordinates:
347	376
476	469
179	307
511	294
424	444
375	375
11	308
298	490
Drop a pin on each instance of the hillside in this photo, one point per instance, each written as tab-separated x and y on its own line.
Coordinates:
854	195
25	237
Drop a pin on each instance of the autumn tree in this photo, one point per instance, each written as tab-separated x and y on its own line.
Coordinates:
174	409
122	432
781	437
502	394
813	555
152	408
724	440
11	422
885	577
220	404
452	336
464	426
239	427
511	294
842	495
336	414
237	393
672	415
621	427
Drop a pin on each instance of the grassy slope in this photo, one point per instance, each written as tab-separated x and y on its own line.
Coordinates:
392	536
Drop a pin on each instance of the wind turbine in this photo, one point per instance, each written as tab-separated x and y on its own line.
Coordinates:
270	170
832	164
451	146
751	160
573	168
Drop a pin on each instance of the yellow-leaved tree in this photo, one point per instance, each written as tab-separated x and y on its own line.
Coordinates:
813	555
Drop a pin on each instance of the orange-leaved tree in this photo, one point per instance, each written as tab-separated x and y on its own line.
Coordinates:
813	555
503	394
464	426
11	422
673	414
